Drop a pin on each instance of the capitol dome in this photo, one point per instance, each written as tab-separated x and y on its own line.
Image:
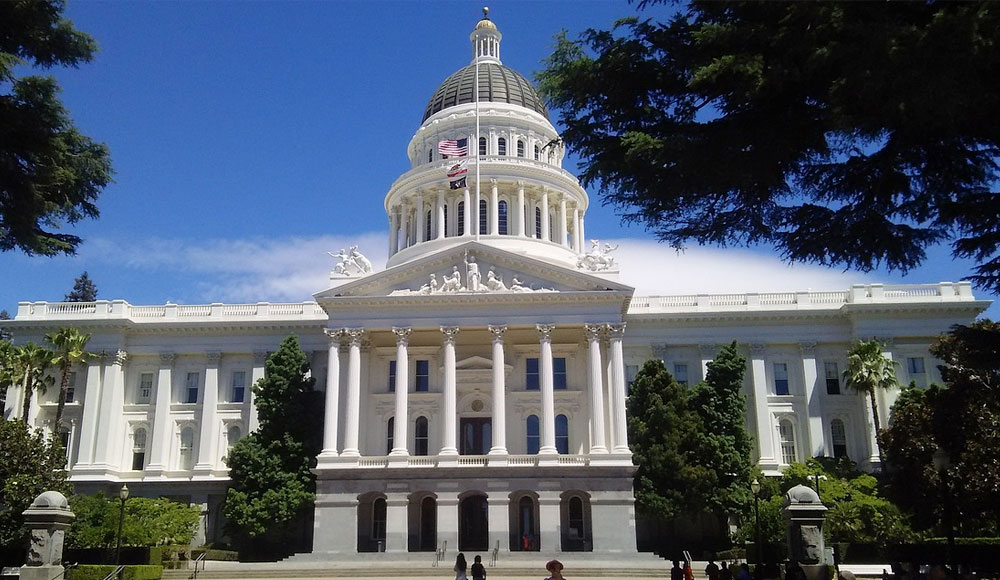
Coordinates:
497	83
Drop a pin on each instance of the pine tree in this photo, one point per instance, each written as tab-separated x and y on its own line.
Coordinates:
84	290
4	333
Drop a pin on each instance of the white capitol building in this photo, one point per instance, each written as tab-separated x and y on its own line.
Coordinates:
475	388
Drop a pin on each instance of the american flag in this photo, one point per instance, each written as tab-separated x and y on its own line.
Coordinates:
457	169
454	147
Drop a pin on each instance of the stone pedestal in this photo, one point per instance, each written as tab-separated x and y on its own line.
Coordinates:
804	515
47	519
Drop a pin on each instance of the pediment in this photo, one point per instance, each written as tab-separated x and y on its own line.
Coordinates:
474	363
473	269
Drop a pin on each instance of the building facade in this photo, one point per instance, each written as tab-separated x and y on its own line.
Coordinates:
475	388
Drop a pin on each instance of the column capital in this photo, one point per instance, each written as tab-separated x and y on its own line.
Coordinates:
119	358
259	357
402	335
214	357
757	348
493	182
354	336
450	333
520	183
497	332
334	335
807	347
593	332
167	359
545	331
616	331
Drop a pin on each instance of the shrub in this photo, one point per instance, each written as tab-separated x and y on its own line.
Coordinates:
99	572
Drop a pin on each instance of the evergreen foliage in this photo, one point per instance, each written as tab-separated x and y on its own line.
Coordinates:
849	134
27	368
84	290
29	465
868	370
148	522
50	173
270	469
70	345
4	333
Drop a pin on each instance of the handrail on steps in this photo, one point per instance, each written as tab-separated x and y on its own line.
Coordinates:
115	572
439	553
65	569
496	555
199	560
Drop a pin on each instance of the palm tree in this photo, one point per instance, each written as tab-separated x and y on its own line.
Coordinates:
868	370
71	347
6	369
30	364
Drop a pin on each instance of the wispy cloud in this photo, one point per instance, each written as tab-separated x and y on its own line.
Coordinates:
293	268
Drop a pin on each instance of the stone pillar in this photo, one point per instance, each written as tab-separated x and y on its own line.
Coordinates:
447	524
549	522
765	440
396	521
335	525
582	236
47	518
562	222
393	232
107	454
494	208
352	415
421	220
467	218
331	398
613	517
209	415
402	386
595	384
708	352
620	435
256	374
810	373
521	229
162	426
548	434
804	515
498	507
91	406
440	215
404	224
545	216
499	397
577	242
450	393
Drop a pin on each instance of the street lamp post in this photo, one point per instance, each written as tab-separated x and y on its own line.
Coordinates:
122	496
817	477
755	488
942	464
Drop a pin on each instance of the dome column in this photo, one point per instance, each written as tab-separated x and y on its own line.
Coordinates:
581	236
520	209
576	229
467	218
562	221
393	232
545	216
440	215
420	218
494	208
404	223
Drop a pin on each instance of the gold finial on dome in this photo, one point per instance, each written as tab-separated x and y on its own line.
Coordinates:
486	12
486	22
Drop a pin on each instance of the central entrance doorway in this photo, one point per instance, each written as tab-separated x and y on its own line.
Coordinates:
477	436
473	524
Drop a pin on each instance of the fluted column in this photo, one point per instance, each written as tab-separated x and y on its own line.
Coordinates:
499	393
449	411
596	386
562	222
762	413
576	230
393	232
256	374
494	208
352	415
440	215
331	413
404	224
582	236
620	435
810	372
521	229
109	441
91	406
402	386
545	216
548	442
467	218
162	426
209	414
421	221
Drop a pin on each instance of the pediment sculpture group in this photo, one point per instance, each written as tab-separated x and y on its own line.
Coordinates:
351	262
474	283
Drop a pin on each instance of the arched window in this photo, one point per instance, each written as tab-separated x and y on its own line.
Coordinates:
538	223
482	216
390	432
526	525
501	146
378	520
576	523
520	148
427	225
502	216
562	434
839	436
138	448
786	434
420	438
538	153
186	449
430	155
461	218
532	435
482	145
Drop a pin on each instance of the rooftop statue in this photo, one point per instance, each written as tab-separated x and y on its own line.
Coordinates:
351	262
599	258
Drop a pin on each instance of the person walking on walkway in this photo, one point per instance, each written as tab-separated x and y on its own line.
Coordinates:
555	568
460	567
478	570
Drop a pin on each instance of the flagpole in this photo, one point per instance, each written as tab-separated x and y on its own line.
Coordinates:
476	144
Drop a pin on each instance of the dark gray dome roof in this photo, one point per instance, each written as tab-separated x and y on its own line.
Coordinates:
497	83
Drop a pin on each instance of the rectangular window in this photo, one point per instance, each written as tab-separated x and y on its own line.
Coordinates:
239	386
191	390
832	378
681	374
71	389
780	379
531	374
423	377
145	389
786	433
915	365
392	376
559	373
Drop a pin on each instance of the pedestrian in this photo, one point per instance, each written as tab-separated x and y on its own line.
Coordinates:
688	572
555	568
725	573
744	572
676	573
712	570
460	567
478	570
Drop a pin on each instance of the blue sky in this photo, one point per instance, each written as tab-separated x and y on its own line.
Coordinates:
249	138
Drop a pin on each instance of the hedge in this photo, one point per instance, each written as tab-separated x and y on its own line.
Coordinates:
100	571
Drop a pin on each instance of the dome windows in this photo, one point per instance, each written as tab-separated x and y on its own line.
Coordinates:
501	146
520	148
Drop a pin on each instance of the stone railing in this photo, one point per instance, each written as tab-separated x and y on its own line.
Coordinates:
858	294
464	461
121	310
